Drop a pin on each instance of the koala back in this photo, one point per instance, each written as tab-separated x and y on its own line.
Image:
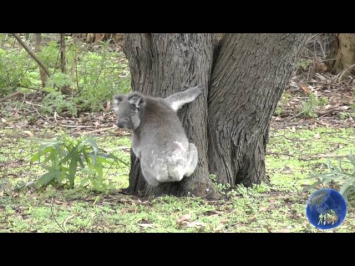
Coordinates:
160	131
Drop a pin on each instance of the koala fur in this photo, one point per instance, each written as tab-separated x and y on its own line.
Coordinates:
158	140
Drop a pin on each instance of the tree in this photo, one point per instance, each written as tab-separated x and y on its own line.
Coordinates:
244	76
343	55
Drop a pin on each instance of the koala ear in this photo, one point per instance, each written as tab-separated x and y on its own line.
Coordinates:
136	99
117	99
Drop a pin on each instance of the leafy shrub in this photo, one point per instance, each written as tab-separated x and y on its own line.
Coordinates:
57	102
340	176
94	76
64	156
16	70
310	106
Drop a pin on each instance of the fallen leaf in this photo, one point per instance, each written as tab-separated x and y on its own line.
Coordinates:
219	228
305	89
194	224
263	209
146	225
316	136
284	230
185	217
28	133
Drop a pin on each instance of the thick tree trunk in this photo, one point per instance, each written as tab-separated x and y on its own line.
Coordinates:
343	52
248	78
163	64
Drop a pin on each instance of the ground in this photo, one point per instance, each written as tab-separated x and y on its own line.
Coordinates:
313	123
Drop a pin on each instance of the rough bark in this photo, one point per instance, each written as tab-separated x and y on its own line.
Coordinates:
248	78
160	65
343	52
63	64
42	73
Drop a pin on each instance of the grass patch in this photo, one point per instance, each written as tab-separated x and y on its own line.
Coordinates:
279	207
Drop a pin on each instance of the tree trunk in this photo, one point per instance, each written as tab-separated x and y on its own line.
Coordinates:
42	73
248	78
163	64
246	75
343	52
63	63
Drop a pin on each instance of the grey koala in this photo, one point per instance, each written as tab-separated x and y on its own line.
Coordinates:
159	140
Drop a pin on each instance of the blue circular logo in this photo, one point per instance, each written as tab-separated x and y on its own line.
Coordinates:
326	208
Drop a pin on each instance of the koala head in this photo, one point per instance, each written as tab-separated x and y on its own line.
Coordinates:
129	109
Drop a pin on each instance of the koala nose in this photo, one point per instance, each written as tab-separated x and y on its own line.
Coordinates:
122	122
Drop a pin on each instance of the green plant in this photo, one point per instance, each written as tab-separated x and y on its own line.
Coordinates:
63	156
343	115
310	106
101	76
59	80
15	67
304	63
323	101
57	102
338	175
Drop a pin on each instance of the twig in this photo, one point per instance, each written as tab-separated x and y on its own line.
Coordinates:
33	103
63	229
67	219
345	71
33	89
322	113
74	126
283	137
324	83
316	157
29	51
296	115
279	153
39	113
11	96
98	130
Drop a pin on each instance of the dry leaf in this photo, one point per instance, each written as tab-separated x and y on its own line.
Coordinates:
316	136
263	209
28	133
219	228
284	230
146	225
305	89
194	224
185	217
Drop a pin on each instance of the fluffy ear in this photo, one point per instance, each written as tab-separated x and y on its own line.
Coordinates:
136	99
117	99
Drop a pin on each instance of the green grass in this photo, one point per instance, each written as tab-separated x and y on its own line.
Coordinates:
278	207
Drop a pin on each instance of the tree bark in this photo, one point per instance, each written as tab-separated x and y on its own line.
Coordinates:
163	64
343	52
63	63
248	78
42	73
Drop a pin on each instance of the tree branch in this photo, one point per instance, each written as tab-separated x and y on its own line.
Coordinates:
29	51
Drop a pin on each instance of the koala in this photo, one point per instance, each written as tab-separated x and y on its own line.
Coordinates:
158	140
